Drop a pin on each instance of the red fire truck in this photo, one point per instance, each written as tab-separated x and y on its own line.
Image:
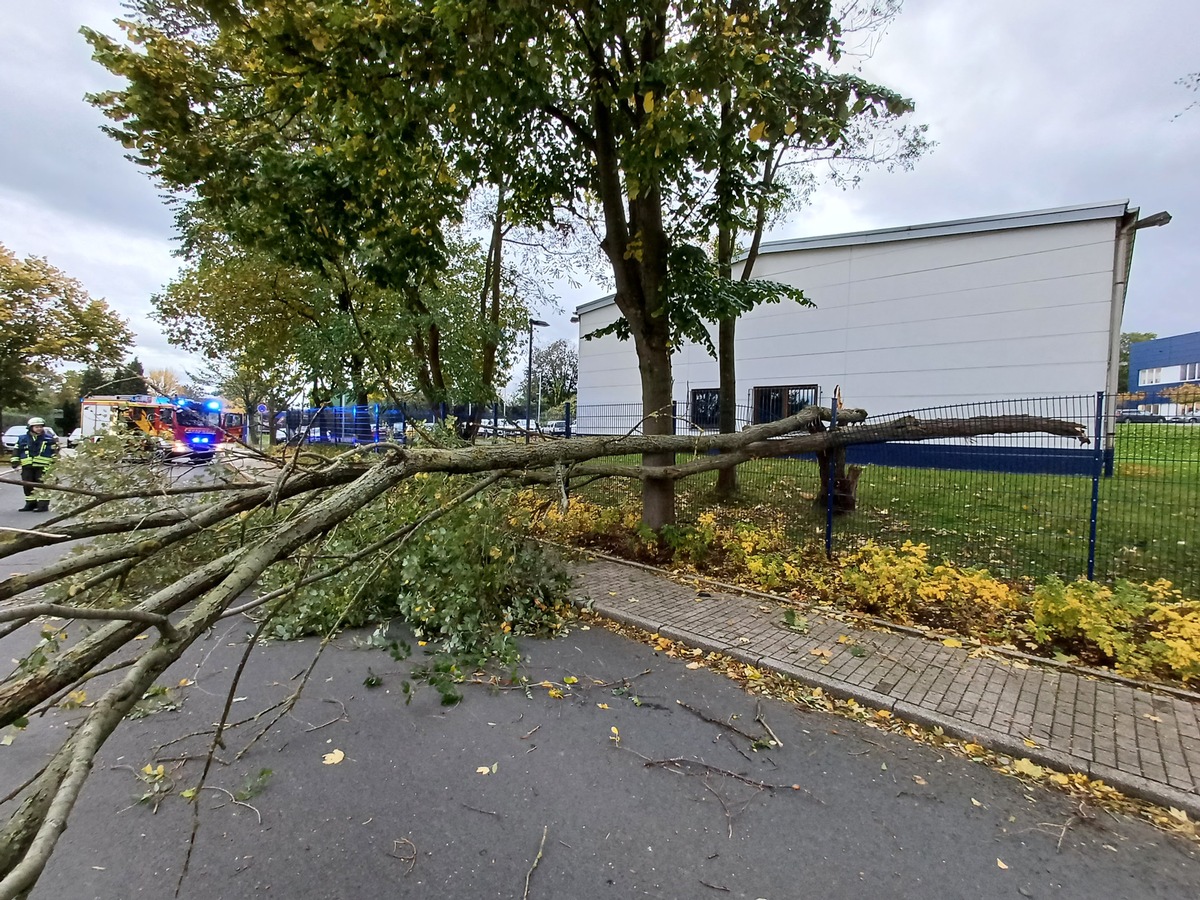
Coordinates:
172	431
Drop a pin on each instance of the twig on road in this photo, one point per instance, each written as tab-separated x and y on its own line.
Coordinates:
758	717
486	812
399	853
232	799
719	723
344	717
537	859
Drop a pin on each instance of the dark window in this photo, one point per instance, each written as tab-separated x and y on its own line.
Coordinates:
189	418
774	403
706	408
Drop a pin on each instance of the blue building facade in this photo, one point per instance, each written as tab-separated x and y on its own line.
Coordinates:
1155	366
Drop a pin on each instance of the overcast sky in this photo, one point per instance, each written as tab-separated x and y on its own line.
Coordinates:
1033	103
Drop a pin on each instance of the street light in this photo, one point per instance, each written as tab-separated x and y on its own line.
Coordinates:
529	372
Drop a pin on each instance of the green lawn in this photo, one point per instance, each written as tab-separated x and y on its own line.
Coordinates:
1016	525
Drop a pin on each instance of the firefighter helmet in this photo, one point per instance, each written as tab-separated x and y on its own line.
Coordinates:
36	420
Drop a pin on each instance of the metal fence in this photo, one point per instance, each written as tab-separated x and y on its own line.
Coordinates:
1126	504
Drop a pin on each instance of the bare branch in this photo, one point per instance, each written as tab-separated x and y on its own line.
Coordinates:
33	610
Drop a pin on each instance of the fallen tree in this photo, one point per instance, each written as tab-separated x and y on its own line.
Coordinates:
224	538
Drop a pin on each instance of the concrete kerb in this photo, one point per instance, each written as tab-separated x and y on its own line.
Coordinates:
998	742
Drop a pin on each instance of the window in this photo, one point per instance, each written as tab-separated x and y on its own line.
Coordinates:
774	403
1150	376
1190	372
706	408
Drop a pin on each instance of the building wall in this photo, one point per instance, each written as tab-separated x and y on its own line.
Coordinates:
907	324
1160	364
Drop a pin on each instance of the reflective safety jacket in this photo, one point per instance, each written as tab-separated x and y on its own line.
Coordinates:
34	450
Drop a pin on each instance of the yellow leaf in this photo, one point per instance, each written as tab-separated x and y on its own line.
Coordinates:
883	714
1000	863
843	639
952	642
602	705
648	102
752	672
188	794
555	693
186	682
141	637
614	730
570	679
975	802
1060	779
333	757
789	128
546	684
1029	742
757	132
1179	815
483	770
1028	768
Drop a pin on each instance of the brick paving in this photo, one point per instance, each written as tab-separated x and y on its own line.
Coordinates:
1142	741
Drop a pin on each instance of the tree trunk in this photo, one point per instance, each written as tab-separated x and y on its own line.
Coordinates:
845	481
727	481
658	494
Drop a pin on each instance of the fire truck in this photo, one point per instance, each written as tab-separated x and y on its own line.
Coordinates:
173	431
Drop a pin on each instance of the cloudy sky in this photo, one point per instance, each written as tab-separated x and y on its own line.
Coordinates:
1033	103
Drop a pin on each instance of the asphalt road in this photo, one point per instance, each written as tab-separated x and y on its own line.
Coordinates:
407	812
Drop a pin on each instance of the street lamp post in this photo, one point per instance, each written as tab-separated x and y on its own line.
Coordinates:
529	372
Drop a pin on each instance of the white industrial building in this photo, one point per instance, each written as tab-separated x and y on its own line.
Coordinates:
993	308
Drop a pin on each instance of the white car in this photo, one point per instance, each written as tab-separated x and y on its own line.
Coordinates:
13	434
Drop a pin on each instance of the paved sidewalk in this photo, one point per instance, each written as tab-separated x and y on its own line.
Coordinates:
1145	743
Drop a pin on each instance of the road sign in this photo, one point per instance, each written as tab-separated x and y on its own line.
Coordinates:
262	408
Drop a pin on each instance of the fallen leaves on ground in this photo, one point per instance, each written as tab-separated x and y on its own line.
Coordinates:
333	757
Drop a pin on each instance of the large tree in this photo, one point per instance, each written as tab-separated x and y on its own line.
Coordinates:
555	373
1128	339
46	317
377	118
756	180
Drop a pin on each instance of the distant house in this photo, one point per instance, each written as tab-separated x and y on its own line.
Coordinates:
992	308
1158	368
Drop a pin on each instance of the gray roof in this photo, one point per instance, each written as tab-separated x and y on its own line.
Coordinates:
1065	214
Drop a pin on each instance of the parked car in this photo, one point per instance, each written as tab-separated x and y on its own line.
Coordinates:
557	428
75	438
1135	415
13	434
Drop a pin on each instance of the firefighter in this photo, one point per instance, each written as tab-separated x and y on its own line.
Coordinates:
35	454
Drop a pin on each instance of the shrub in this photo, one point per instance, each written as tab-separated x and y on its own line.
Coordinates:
1142	629
902	585
467	582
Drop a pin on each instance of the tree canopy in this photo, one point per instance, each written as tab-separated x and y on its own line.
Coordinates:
343	137
46	317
